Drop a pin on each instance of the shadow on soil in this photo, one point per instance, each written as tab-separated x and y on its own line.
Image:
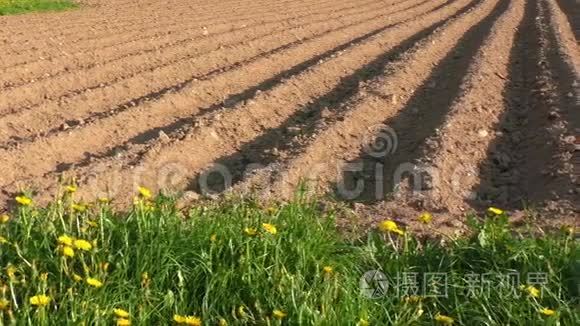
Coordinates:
419	119
520	160
262	150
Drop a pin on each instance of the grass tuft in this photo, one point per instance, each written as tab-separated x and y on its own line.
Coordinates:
237	262
13	7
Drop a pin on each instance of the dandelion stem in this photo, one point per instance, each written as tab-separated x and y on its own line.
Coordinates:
22	257
13	296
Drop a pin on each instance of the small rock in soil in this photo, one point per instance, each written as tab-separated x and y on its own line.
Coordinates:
118	152
325	113
293	130
64	126
163	137
553	115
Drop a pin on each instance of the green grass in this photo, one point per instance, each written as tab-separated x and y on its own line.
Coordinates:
12	7
156	261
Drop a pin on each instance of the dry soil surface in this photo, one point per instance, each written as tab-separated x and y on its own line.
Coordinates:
394	106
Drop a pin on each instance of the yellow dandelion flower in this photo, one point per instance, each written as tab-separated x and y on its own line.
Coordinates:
567	229
68	251
412	299
3	240
120	313
192	321
94	282
4	304
250	231
103	200
494	211
83	245
213	237
279	314
123	322
11	272
270	228
426	217
145	280
362	322
65	240
533	291
92	223
179	319
223	322
79	207
23	200
446	320
144	192
547	312
242	311
327	270
4	218
390	226
71	189
77	277
40	300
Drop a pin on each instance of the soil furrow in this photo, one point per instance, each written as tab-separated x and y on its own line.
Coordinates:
105	25
92	15
20	72
564	57
451	157
529	162
126	41
295	86
572	11
566	60
389	120
267	153
99	74
37	71
26	126
172	22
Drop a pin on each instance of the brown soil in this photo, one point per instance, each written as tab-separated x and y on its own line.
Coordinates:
393	106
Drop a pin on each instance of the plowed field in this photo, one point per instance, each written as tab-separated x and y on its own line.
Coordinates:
445	105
